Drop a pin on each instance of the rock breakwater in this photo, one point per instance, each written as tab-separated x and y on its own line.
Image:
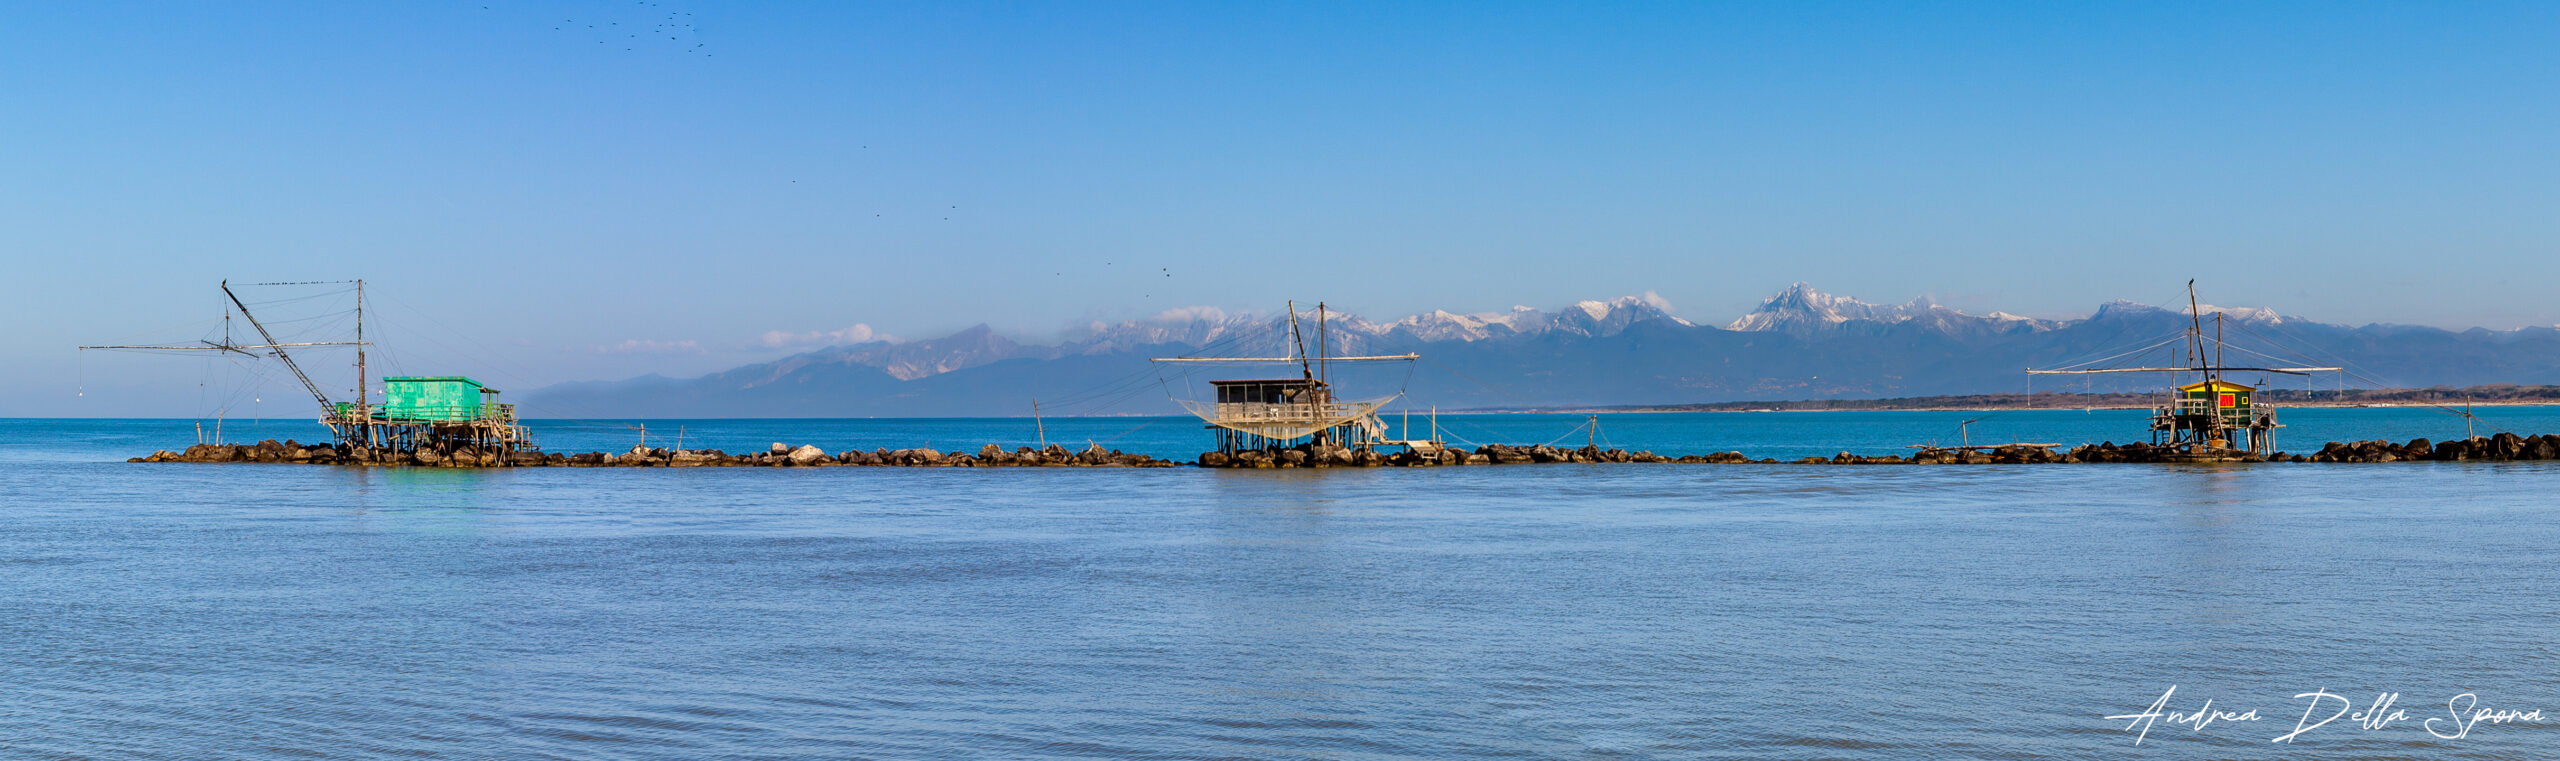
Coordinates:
778	455
2502	447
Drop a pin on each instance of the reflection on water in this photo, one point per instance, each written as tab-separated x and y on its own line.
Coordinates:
187	611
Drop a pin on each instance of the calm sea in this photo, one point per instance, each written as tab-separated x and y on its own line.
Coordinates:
1575	611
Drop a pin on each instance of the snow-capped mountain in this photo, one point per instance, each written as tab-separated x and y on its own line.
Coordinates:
1203	326
1799	344
1800	307
1443	325
2244	314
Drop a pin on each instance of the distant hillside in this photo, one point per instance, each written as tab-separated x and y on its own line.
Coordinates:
2448	396
1800	344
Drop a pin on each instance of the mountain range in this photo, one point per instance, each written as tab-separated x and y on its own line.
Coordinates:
1799	344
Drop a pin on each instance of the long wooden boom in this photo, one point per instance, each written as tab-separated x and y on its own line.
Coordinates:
210	346
1381	358
323	399
2284	370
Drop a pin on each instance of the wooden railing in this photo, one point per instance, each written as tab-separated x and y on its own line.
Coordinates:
380	413
1248	411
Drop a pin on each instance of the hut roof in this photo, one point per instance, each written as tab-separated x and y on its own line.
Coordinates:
2216	385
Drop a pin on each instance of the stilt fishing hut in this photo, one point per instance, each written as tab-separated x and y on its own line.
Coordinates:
1270	414
438	412
2211	417
446	411
2218	414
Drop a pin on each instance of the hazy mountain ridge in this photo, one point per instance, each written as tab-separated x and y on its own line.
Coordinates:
1799	344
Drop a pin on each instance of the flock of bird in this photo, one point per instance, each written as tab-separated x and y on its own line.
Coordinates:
675	26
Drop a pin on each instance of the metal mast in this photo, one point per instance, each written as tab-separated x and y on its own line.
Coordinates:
1294	335
364	391
2217	347
316	395
364	396
2195	329
1323	373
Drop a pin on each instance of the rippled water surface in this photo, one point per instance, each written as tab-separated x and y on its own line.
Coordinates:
1873	612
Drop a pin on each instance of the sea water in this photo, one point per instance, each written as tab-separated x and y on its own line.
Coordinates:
1781	435
188	611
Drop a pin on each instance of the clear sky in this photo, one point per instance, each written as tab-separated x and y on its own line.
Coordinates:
562	191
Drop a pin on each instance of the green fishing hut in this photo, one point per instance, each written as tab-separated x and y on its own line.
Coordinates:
438	399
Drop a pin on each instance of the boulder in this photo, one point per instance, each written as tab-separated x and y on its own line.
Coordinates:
807	455
2506	446
1328	455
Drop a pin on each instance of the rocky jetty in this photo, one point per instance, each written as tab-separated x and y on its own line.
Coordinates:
2505	446
1322	456
2141	452
2499	448
1335	456
778	455
2502	447
1330	456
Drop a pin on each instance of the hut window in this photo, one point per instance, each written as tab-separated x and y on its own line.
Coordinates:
2229	401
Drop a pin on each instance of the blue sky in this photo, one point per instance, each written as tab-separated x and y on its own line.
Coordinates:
662	191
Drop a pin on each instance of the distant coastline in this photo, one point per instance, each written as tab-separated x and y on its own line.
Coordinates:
2496	395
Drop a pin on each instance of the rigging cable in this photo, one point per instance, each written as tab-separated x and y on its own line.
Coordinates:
2344	366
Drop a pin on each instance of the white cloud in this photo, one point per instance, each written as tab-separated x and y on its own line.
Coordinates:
644	346
858	333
